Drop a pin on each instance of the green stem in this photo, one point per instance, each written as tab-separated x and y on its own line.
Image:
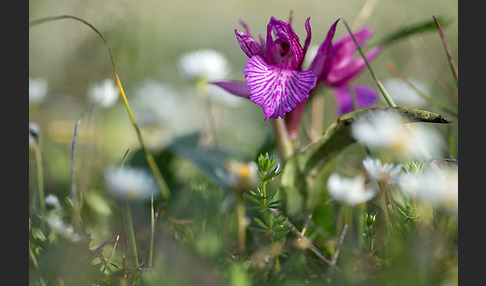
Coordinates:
241	226
282	138
155	170
382	89
40	182
127	218
152	232
448	52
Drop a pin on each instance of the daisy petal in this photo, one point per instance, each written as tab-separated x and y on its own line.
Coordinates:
276	88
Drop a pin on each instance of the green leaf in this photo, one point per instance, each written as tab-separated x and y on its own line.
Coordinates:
338	136
407	31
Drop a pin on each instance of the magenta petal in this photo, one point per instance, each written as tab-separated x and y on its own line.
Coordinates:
239	88
365	96
276	88
342	73
248	44
320	64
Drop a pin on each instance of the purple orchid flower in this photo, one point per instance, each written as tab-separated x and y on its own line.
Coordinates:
337	64
274	79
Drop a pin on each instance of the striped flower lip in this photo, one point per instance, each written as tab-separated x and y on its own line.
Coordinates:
273	72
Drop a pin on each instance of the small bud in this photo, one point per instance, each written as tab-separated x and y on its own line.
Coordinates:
370	219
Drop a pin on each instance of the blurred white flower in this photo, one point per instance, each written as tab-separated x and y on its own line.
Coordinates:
350	191
66	230
385	174
154	103
205	64
439	187
37	90
53	202
404	95
33	134
241	177
103	94
130	183
389	132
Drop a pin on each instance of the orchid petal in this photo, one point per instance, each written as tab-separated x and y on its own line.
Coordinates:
284	33
307	41
277	89
320	64
248	44
341	75
364	95
238	88
344	50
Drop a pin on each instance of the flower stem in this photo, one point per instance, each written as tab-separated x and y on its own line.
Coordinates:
382	89
155	170
282	138
40	182
241	224
164	188
152	230
127	219
448	52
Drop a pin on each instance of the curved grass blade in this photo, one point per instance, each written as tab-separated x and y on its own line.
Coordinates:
150	159
407	31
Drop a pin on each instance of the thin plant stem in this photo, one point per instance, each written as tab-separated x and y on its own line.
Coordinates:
448	52
152	231
40	182
74	193
338	246
284	143
201	89
150	160
382	89
452	145
241	224
392	68
127	218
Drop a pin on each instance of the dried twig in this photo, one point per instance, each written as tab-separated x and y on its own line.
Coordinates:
338	246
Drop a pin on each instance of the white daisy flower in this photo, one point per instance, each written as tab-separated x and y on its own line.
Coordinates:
439	187
385	174
349	191
64	229
390	132
130	183
53	202
203	64
33	134
103	94
154	103
37	90
241	176
404	95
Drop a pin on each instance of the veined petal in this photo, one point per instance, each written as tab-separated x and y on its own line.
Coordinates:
238	88
364	95
320	64
248	44
278	89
